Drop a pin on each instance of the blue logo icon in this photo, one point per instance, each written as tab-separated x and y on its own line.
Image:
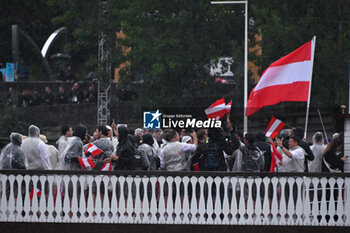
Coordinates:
151	120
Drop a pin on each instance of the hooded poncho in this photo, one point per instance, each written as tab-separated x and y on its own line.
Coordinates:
12	156
35	150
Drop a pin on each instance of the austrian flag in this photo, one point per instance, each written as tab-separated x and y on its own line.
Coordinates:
274	127
217	110
287	79
276	157
86	162
92	149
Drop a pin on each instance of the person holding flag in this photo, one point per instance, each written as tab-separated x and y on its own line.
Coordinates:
74	150
101	149
295	153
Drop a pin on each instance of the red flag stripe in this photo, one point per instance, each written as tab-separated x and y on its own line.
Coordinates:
37	191
275	157
106	167
303	53
217	110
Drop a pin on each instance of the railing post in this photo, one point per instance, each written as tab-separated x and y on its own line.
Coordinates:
347	201
293	200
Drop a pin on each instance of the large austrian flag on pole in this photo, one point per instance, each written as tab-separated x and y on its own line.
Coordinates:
216	110
287	79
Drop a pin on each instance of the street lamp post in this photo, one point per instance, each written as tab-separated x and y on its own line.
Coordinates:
245	119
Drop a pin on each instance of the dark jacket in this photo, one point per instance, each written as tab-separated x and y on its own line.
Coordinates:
48	98
217	141
125	151
252	159
334	161
265	148
62	98
309	154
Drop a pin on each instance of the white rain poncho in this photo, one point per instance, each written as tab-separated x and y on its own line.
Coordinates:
317	149
35	150
74	150
69	159
12	156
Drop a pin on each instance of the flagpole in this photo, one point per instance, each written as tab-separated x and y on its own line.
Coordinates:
308	100
245	118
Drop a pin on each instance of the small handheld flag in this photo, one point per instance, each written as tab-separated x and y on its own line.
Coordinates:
274	127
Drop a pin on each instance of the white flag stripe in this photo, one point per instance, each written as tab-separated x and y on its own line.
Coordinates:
106	167
215	109
92	148
86	163
273	127
287	74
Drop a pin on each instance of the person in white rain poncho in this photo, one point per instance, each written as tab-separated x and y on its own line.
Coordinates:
74	150
62	142
317	148
35	150
12	156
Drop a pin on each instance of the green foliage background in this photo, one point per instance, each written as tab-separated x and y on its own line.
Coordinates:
174	41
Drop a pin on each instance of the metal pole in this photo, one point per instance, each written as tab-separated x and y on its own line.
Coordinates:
308	101
324	129
245	118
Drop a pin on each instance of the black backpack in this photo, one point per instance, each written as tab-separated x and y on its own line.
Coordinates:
212	159
138	165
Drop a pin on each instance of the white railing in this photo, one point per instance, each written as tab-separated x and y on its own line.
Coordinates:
175	198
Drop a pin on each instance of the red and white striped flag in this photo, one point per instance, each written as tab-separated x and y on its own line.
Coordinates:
106	167
86	162
287	79
274	127
228	107
217	110
36	191
276	157
92	149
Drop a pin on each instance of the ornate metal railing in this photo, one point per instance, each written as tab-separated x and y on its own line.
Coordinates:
175	198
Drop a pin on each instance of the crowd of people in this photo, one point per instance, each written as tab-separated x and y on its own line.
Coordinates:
34	97
212	149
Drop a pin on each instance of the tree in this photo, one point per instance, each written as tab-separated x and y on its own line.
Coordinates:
12	121
172	44
286	25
